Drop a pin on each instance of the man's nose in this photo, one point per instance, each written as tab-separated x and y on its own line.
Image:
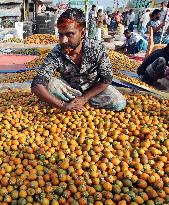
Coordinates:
64	39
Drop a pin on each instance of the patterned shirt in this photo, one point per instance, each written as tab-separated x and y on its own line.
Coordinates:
95	67
134	39
155	24
92	16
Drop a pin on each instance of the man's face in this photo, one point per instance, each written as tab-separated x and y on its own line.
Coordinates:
127	35
164	4
158	16
70	35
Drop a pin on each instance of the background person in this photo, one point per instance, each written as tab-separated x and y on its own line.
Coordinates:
157	27
155	66
84	67
100	18
131	20
92	30
144	21
134	43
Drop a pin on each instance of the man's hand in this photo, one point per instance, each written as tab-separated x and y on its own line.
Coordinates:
76	104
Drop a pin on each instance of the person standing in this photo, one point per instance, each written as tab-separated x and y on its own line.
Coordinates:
117	18
132	20
92	30
108	21
164	16
157	27
144	21
100	18
163	12
127	19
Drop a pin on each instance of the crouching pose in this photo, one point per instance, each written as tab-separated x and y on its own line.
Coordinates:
84	67
155	66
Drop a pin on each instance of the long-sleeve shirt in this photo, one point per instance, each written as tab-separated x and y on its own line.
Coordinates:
145	19
95	67
151	58
132	17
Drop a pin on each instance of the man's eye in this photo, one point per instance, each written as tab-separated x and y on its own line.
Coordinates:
70	34
60	35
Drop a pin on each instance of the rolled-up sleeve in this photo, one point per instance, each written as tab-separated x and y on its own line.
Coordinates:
105	67
45	71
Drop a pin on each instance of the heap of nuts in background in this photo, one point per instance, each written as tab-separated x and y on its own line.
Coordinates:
122	62
41	39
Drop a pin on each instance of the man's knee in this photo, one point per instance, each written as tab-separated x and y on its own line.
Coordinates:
161	59
119	104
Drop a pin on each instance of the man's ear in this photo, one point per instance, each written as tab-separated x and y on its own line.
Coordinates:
83	32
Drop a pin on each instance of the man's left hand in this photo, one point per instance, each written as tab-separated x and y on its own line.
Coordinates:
78	103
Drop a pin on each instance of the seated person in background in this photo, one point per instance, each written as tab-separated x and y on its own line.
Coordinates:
155	66
84	67
120	29
105	30
134	43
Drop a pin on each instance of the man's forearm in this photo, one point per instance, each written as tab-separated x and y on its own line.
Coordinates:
95	90
43	94
155	30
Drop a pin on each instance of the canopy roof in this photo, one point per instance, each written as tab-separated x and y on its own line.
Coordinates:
11	1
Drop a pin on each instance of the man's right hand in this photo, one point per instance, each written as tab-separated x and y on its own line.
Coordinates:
70	107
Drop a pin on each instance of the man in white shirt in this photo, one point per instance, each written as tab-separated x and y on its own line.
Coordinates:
164	15
134	43
163	10
132	20
144	21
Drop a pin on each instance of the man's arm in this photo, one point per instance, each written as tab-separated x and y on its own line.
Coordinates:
40	82
43	94
155	30
95	90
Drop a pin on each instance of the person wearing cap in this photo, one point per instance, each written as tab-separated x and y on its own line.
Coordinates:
155	66
84	67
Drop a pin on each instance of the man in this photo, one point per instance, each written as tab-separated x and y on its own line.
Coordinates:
157	27
117	17
163	11
132	20
155	66
164	16
134	42
100	18
92	30
84	68
144	21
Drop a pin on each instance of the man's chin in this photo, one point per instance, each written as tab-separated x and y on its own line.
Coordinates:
66	50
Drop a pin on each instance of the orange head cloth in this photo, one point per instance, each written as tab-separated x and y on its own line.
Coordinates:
67	22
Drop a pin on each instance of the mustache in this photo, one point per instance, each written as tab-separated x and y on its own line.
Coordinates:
66	46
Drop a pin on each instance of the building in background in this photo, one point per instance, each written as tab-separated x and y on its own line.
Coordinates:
10	12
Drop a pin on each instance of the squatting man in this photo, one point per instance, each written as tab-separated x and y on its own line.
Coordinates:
84	67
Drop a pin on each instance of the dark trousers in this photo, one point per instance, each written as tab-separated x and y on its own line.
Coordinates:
131	26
